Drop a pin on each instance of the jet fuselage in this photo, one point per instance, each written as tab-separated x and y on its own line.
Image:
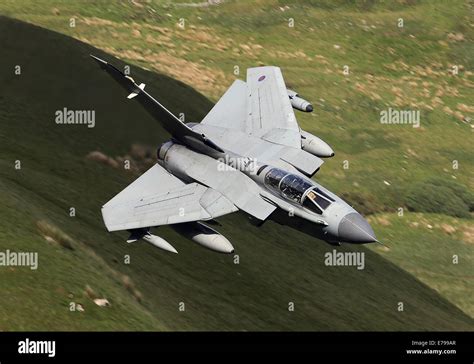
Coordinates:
301	202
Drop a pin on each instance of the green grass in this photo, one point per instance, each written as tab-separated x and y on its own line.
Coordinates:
276	265
433	248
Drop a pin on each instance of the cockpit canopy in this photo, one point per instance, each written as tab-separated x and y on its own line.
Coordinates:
298	189
290	185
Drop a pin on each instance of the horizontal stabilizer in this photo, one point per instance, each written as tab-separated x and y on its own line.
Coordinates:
160	113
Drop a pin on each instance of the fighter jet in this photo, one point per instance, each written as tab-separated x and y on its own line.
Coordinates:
248	154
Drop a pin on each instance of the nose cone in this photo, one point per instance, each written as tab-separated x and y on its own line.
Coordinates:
354	228
309	108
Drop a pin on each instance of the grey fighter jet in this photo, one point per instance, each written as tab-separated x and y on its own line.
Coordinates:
247	154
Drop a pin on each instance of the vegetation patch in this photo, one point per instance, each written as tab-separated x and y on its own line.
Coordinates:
55	235
440	195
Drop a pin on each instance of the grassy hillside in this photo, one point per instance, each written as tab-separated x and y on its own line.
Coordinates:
276	265
435	248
